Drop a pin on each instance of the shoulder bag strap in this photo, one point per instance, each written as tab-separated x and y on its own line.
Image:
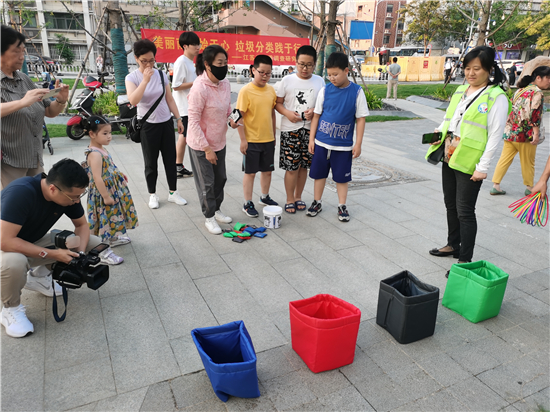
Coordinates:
153	107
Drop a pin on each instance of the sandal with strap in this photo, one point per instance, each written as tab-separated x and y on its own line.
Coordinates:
301	205
290	208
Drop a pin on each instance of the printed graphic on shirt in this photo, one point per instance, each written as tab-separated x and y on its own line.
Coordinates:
303	99
334	130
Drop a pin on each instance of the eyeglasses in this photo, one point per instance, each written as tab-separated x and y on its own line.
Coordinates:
266	74
305	66
144	62
70	198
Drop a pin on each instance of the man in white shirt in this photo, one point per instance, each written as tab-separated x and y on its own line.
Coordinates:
393	71
184	76
448	68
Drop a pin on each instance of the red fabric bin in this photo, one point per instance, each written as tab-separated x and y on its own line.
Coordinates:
324	331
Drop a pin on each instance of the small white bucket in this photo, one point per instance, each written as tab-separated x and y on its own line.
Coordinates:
272	217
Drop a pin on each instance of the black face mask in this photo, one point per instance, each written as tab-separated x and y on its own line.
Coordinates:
219	72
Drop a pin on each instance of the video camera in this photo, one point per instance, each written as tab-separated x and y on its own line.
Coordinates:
86	268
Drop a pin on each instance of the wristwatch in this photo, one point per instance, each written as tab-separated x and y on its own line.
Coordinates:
43	254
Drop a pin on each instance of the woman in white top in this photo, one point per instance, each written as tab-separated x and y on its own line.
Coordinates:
144	87
471	131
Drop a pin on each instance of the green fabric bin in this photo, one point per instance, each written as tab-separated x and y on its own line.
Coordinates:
475	290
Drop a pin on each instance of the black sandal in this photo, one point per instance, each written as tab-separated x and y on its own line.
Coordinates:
289	206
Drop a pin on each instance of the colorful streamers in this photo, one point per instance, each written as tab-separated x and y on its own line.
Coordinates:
532	209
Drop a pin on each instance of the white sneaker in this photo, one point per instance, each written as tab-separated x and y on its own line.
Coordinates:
153	201
177	199
220	217
16	323
108	257
42	285
212	226
119	240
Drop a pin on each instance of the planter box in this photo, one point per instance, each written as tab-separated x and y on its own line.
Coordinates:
324	331
407	307
229	358
475	290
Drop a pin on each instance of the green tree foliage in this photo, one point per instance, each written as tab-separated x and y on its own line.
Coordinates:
426	20
538	26
62	46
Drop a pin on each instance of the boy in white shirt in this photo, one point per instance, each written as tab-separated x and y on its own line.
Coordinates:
184	76
296	96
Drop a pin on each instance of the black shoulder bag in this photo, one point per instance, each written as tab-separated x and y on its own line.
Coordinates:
134	128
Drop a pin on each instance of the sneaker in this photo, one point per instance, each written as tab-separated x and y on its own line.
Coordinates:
267	201
249	209
42	285
212	226
183	172
153	201
108	257
220	217
314	209
119	240
16	323
176	198
343	215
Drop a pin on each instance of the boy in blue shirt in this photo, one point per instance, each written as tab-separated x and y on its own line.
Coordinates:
339	107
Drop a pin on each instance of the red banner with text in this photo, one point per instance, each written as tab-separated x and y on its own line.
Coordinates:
240	48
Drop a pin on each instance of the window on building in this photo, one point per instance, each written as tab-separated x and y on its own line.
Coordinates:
513	55
398	41
400	25
294	7
386	39
78	50
360	10
31	21
389	8
387	25
63	21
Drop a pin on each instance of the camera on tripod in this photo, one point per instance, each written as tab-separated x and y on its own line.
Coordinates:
86	268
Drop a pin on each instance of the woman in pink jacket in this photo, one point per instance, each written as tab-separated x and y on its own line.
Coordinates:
209	107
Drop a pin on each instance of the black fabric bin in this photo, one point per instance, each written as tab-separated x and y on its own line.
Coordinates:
407	307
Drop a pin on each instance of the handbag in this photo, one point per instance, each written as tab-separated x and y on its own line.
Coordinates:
134	128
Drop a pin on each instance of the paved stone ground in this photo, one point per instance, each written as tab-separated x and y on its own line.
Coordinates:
128	345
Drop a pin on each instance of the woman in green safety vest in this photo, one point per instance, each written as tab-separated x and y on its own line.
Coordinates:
472	129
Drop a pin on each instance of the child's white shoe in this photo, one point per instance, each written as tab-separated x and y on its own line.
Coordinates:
153	201
176	198
212	226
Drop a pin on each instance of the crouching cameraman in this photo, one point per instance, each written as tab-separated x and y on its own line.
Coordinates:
30	207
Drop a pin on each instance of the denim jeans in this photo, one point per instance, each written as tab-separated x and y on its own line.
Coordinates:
460	194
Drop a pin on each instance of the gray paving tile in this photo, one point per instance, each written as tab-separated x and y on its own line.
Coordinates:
192	389
473	359
383	394
516	380
346	399
468	330
124	278
80	338
539	327
186	354
312	406
134	337
275	362
513	293
180	306
438	401
444	369
23	366
62	391
288	391
152	254
476	395
535	402
377	266
541	277
534	306
263	403
525	284
522	340
325	383
497	348
159	398
129	401
363	368
380	223
198	256
543	296
273	249
390	358
418	383
515	312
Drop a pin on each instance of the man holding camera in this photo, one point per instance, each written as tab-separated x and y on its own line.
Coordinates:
30	207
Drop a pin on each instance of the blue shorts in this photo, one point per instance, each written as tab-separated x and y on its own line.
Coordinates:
325	159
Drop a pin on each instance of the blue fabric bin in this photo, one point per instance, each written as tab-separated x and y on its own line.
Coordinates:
229	358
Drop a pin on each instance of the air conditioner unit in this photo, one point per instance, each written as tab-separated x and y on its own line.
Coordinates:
386	31
215	18
31	33
399	31
388	15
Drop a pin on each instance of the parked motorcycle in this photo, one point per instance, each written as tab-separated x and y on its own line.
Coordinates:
84	103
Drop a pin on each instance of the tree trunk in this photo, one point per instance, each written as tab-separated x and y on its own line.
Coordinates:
331	23
484	21
182	20
11	8
120	60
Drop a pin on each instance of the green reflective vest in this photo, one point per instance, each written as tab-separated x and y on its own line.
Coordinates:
473	129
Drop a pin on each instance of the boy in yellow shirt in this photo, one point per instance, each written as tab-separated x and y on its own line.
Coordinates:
256	102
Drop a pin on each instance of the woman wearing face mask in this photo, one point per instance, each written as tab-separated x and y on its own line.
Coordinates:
209	107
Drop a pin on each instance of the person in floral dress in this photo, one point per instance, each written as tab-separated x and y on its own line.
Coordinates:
523	131
111	210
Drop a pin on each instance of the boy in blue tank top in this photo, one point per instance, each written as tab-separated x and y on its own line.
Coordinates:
340	106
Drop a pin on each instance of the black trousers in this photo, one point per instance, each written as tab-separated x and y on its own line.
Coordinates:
460	194
209	179
155	138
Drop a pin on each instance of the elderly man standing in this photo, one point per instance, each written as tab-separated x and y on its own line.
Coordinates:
394	71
